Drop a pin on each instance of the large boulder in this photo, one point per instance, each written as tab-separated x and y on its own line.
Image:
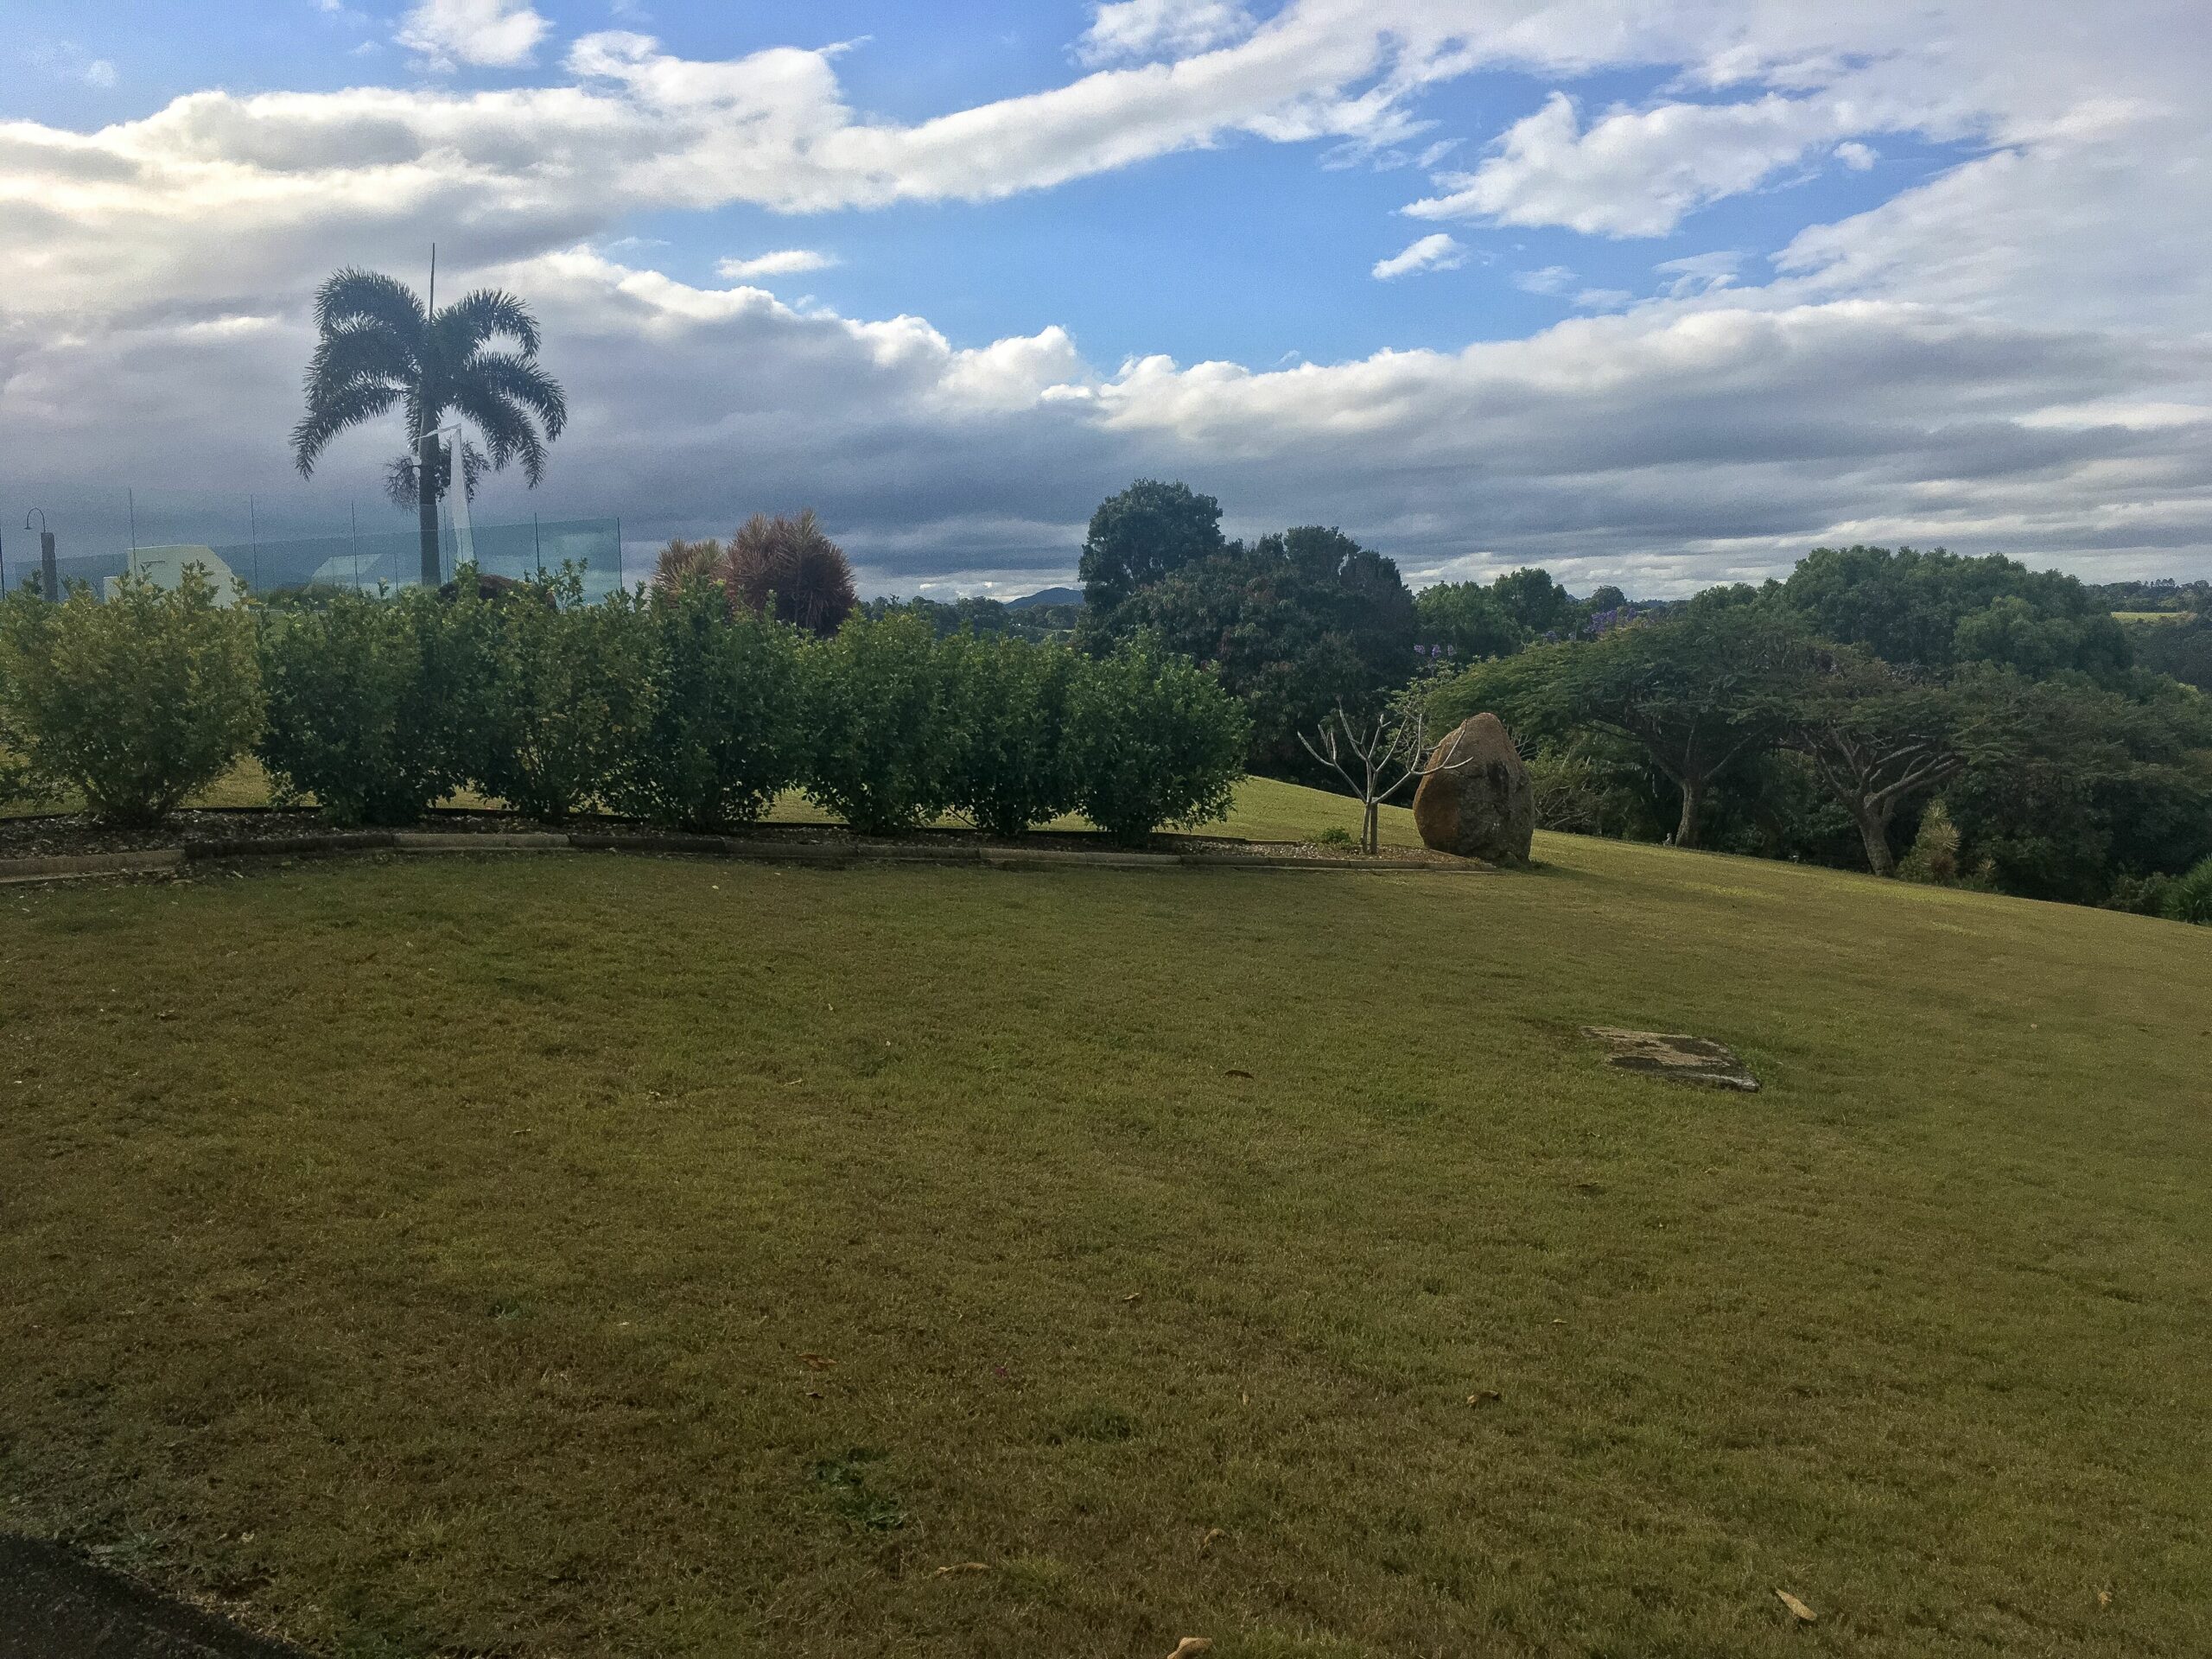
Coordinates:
1476	800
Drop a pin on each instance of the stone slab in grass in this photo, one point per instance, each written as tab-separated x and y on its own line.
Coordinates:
1677	1057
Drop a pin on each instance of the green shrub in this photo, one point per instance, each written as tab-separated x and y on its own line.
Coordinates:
134	704
363	697
1153	740
1933	859
885	729
1008	703
2139	895
556	692
2188	898
1335	836
724	726
16	783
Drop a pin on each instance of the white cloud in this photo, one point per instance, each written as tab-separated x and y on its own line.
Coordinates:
1437	252
1634	173
1158	29
1700	273
100	73
1552	279
1698	441
2009	356
1857	156
784	262
495	33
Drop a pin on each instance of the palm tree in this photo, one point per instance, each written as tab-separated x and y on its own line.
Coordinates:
382	347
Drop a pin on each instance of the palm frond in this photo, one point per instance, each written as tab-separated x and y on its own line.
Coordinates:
488	314
506	428
355	296
349	350
525	382
330	415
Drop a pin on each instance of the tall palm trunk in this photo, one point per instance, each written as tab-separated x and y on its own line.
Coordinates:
426	507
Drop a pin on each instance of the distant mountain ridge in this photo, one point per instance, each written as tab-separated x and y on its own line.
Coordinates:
1049	596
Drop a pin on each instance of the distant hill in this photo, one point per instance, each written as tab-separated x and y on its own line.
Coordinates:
1050	596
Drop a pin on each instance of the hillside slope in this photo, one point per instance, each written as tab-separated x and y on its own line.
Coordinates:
616	1255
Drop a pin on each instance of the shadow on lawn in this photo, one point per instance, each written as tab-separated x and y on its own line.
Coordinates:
56	1604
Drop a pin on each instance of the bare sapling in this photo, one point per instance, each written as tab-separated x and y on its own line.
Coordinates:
1365	753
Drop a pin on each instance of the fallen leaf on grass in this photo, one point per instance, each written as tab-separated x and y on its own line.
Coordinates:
1235	1073
817	1363
2104	1598
1191	1646
1134	1296
963	1566
1798	1610
1484	1396
1205	1544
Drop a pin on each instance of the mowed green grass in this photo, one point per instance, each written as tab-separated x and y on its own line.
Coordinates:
611	1255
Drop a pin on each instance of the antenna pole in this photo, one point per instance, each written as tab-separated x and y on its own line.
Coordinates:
426	441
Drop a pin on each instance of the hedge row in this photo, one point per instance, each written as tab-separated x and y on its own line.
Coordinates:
660	706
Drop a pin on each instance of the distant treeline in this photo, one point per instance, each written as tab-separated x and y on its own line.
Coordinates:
1965	719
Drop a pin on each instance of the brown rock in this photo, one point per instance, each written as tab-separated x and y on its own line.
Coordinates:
1477	801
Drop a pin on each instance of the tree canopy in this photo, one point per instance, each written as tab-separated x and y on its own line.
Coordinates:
1465	621
1149	532
1294	625
1937	610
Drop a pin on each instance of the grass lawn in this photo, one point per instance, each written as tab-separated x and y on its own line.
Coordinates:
614	1255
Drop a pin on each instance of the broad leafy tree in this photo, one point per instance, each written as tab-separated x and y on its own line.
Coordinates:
1879	739
1466	622
2182	649
1149	532
1532	599
2097	783
382	348
1295	626
1699	691
1938	610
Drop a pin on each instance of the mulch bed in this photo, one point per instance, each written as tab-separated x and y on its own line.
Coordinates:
217	832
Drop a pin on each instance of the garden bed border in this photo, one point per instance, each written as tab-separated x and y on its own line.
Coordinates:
839	853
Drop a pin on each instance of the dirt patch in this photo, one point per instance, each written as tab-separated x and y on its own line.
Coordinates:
54	1604
1674	1057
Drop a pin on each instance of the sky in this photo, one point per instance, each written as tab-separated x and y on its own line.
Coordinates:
1656	292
